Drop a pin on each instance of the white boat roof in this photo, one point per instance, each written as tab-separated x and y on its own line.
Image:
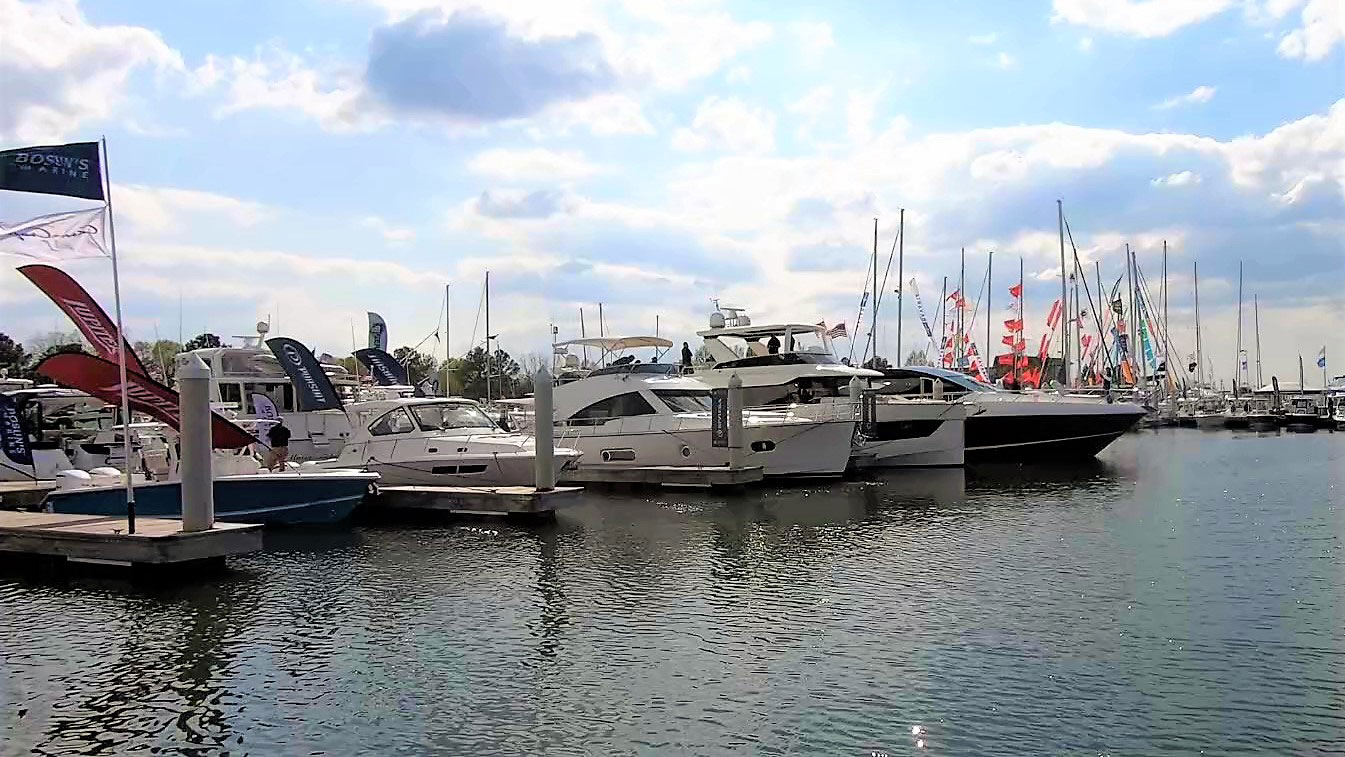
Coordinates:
755	331
613	344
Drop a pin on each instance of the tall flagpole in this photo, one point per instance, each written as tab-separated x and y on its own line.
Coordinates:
121	350
989	319
448	322
1064	295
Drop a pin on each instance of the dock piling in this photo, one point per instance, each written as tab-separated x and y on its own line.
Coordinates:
544	424
194	459
735	421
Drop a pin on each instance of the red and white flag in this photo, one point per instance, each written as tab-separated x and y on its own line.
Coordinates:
98	329
837	331
1053	319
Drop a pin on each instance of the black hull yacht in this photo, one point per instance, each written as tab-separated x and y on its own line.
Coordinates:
1004	426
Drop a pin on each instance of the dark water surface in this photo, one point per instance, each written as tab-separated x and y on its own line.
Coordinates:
1184	593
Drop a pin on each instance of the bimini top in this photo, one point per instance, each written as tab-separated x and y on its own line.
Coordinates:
617	344
764	330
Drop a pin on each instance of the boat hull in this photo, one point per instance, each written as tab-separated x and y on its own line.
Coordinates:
912	434
272	499
494	470
1210	421
1018	431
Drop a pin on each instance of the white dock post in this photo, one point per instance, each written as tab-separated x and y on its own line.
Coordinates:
544	428
856	391
735	421
194	459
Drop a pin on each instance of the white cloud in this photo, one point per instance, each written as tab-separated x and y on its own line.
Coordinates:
1085	44
60	72
1179	179
1005	61
739	75
277	79
1201	94
536	164
166	210
859	112
1137	18
1323	28
983	39
814	39
812	107
391	234
603	115
727	124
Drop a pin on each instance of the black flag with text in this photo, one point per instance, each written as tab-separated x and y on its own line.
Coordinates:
312	387
72	170
383	367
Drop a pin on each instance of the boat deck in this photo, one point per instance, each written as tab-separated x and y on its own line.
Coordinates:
97	538
24	494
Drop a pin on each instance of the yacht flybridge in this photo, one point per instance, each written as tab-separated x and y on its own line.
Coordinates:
793	365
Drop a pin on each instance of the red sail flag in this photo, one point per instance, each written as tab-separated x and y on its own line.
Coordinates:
101	378
1016	291
1053	319
1015	324
90	319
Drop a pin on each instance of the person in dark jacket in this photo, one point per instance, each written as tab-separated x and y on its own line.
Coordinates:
686	355
278	436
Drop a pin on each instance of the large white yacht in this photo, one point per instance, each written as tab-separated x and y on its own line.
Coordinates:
793	364
648	414
1012	426
439	441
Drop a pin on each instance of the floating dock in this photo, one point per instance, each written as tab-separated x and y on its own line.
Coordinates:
24	494
525	501
672	476
103	539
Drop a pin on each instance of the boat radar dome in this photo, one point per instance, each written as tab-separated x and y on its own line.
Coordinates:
263	327
716	320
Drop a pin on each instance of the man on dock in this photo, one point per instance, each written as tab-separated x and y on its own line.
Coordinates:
279	438
686	355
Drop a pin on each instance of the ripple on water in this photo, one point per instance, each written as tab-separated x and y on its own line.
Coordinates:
1173	597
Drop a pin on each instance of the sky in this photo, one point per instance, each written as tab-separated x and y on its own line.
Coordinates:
308	161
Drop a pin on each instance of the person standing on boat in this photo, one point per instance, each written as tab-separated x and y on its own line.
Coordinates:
279	438
686	355
773	345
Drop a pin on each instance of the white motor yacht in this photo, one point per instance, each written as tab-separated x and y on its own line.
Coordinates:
439	442
649	415
794	364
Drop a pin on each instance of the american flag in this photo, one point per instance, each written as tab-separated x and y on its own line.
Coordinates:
837	331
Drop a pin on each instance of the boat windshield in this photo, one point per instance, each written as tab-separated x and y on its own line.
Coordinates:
953	377
449	415
685	400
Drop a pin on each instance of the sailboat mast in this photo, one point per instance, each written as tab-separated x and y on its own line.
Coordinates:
448	324
1129	313
1102	338
1064	297
873	317
602	332
1200	360
1167	358
961	324
583	334
898	359
488	356
943	321
1256	317
989	288
1237	359
1022	316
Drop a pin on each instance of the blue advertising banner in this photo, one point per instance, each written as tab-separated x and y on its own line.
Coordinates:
72	170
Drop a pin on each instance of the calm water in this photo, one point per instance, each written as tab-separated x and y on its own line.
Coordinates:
1185	593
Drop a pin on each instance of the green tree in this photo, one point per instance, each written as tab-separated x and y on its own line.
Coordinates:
158	355
53	349
917	357
504	374
419	366
12	357
202	342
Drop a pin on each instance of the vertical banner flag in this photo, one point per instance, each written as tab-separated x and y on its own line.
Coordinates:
312	387
88	317
72	170
56	236
264	408
383	367
102	379
920	308
378	333
13	437
1321	357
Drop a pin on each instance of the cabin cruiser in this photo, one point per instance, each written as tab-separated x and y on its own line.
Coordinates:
648	414
1011	426
239	374
794	364
59	423
439	441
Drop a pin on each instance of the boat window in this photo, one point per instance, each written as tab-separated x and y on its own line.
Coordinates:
448	415
685	400
396	421
619	406
231	393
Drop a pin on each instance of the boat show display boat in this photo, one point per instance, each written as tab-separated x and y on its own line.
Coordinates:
1011	426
